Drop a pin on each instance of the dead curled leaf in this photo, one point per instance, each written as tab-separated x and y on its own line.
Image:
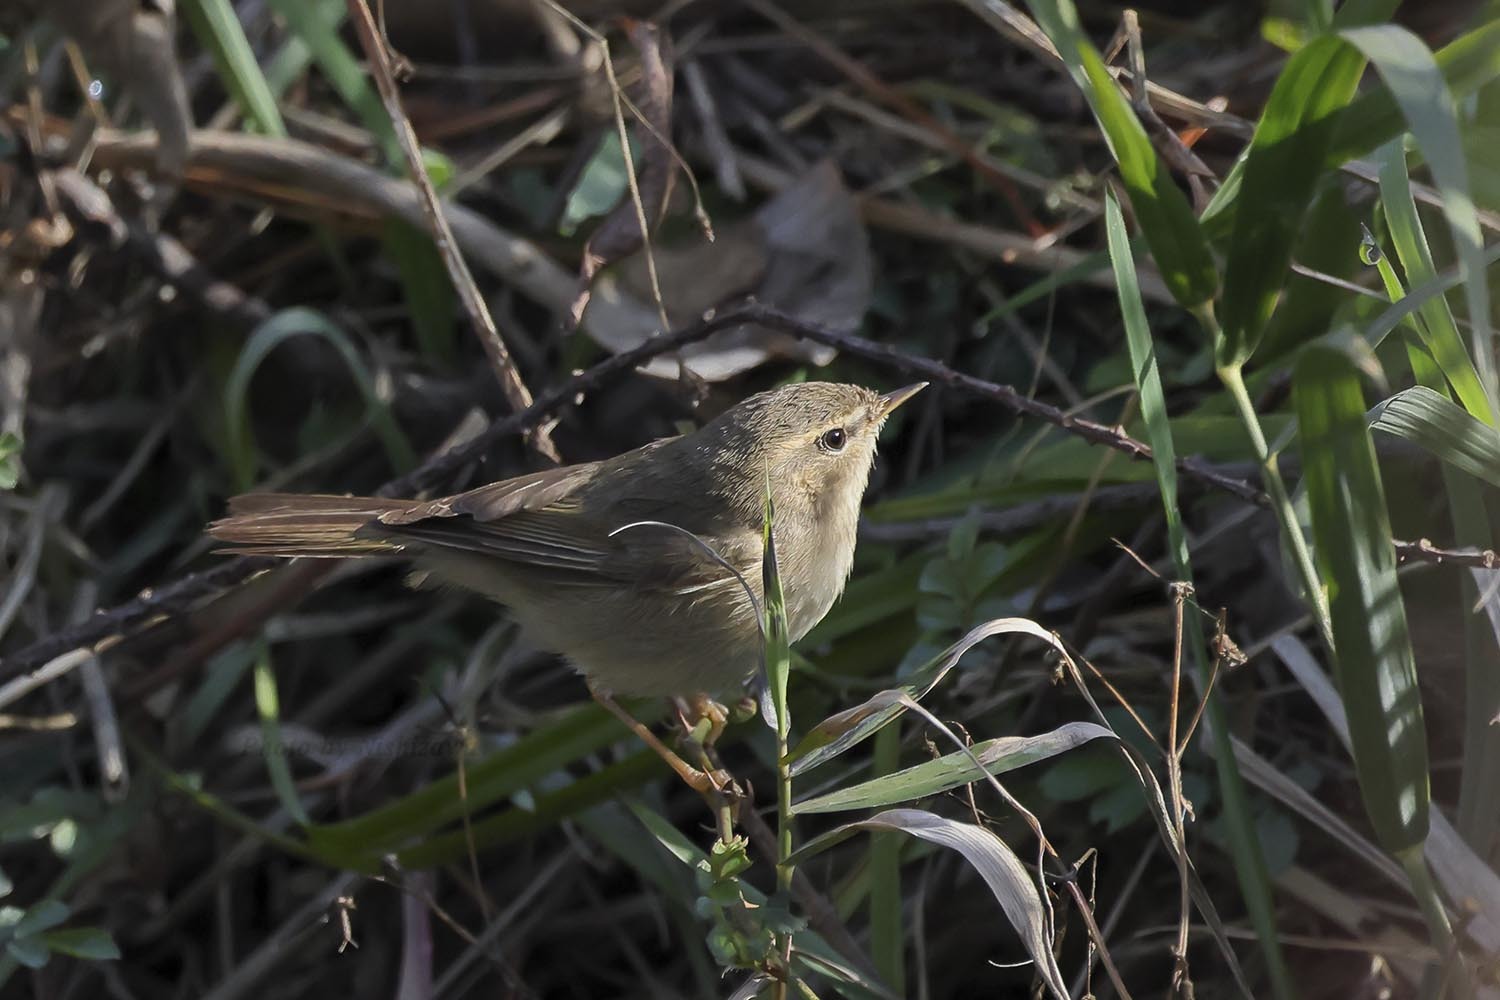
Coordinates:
620	235
805	252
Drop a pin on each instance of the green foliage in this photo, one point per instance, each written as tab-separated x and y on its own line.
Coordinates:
1376	673
10	460
600	187
218	30
1281	174
31	936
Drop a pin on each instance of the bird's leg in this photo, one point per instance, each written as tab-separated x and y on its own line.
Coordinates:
702	717
704	782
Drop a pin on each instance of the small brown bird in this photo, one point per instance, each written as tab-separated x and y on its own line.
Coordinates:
583	557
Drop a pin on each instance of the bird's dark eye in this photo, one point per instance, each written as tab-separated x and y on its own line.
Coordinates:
834	440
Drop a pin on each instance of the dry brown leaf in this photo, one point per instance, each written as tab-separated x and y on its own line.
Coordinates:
806	252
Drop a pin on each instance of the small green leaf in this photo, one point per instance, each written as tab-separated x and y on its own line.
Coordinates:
43	916
29	951
10	460
600	187
1441	426
83	942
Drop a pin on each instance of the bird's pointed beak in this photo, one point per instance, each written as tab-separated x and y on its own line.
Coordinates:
896	397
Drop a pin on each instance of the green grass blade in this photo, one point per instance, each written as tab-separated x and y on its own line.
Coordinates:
1281	175
1443	428
218	30
1239	823
548	809
1177	242
1357	564
1438	330
267	706
319	32
289	323
1414	79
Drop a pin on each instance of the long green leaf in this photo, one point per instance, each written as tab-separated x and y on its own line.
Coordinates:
503	773
951	770
1442	427
1280	179
318	31
1357	564
1177	242
1438	330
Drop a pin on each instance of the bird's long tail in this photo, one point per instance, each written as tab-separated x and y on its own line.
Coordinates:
312	525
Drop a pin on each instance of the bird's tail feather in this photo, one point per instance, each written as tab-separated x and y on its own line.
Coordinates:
308	525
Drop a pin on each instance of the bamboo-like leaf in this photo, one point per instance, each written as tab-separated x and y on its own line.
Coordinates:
838	733
1280	178
1443	428
995	862
951	770
1177	242
1357	565
1438	330
1415	80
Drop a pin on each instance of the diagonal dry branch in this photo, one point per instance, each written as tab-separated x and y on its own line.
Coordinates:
516	393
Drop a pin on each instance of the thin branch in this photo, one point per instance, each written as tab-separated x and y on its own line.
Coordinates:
516	393
181	594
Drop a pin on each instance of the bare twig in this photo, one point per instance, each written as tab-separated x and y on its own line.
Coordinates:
1424	551
516	393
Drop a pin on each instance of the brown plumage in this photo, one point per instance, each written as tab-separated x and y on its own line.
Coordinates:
641	609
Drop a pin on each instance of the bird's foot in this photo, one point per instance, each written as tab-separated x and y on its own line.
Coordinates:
708	780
